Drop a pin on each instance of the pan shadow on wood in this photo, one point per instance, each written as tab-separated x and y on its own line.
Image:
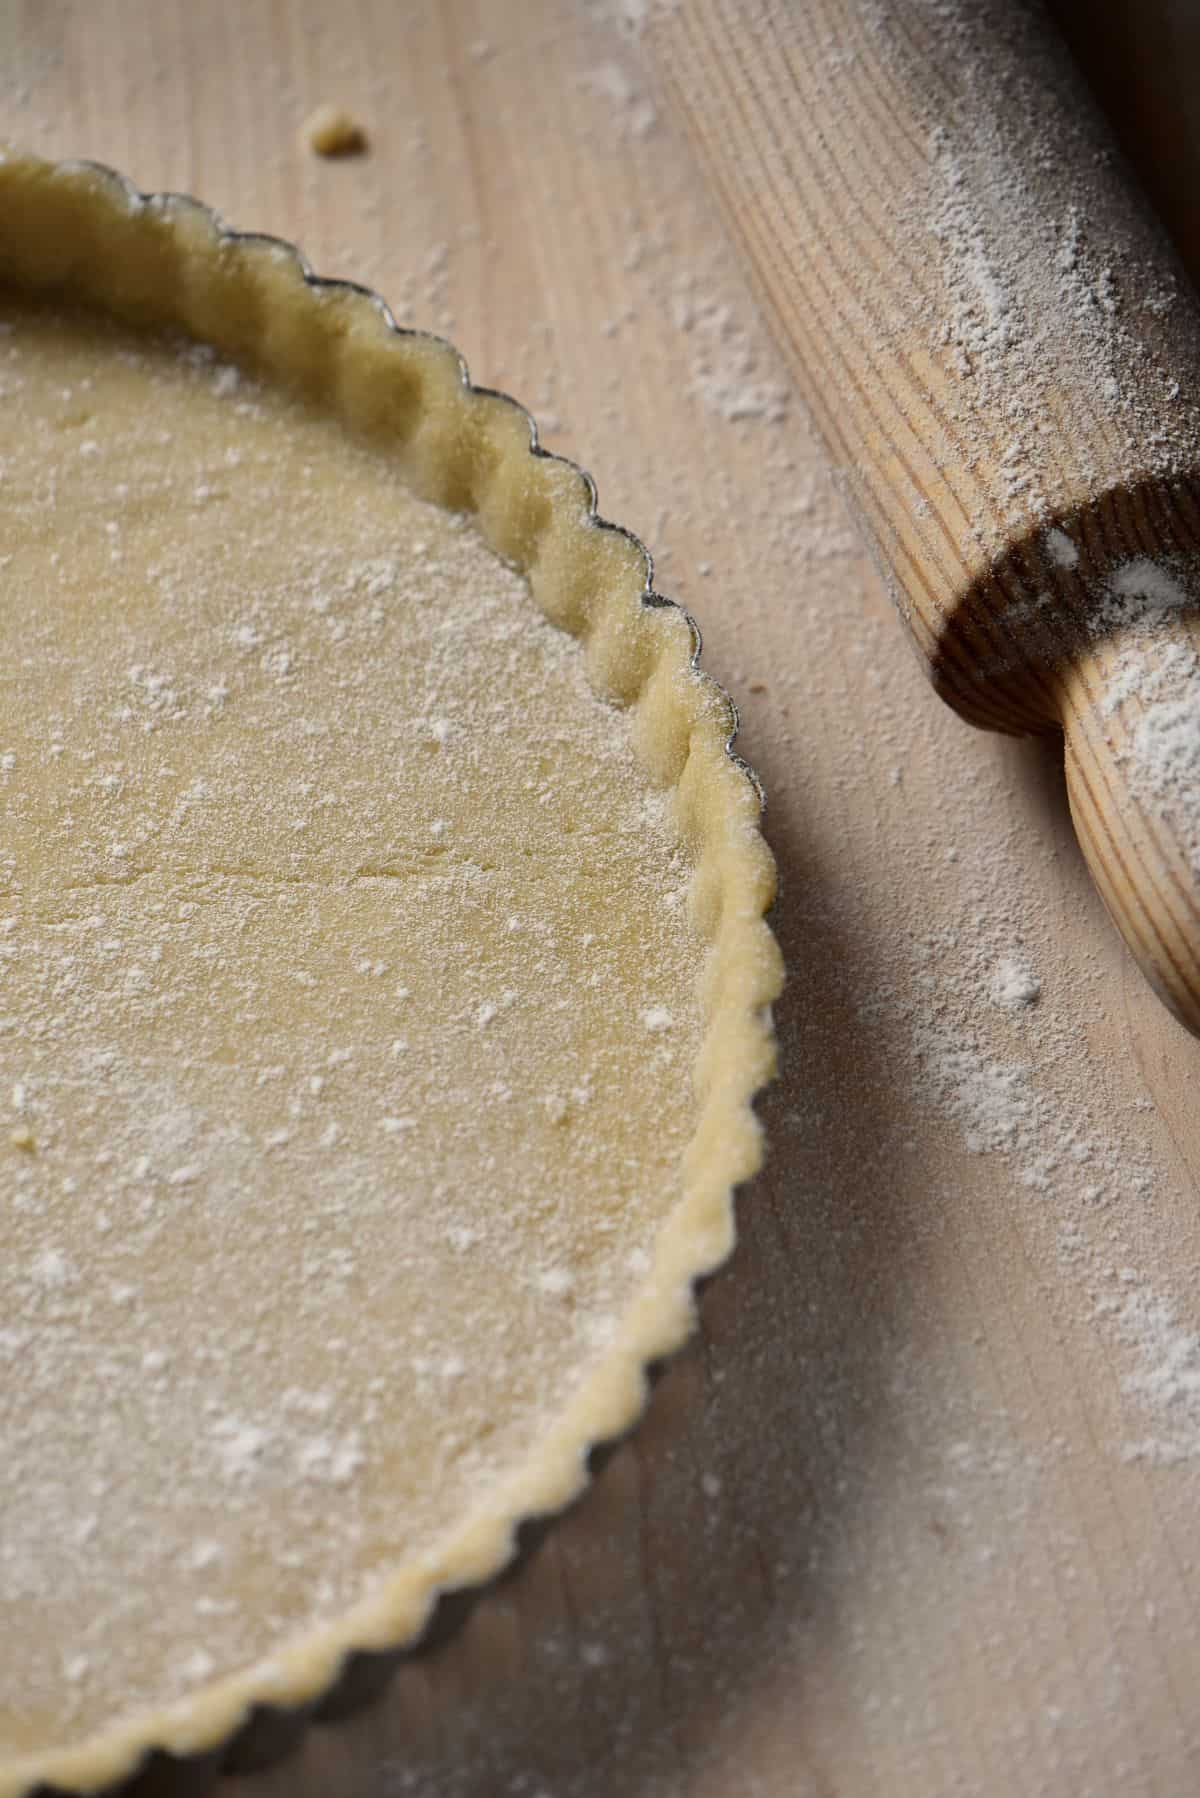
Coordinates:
622	1657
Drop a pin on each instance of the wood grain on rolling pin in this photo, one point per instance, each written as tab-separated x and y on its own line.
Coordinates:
1003	356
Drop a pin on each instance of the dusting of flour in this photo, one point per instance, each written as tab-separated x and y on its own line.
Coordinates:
346	1013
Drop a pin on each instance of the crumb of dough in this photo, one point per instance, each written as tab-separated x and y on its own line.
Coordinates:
330	131
22	1138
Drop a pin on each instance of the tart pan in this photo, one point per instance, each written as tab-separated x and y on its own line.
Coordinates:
163	261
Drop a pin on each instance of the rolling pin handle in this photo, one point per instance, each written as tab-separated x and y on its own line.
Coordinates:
1131	729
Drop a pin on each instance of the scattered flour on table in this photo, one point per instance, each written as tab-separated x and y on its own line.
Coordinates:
630	18
1014	984
1027	1102
729	373
1166	1384
631	113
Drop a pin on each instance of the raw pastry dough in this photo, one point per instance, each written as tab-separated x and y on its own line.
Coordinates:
350	947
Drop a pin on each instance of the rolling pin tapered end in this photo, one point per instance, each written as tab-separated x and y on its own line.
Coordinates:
1131	726
1078	629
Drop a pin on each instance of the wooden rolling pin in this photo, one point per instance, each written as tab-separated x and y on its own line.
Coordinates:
1003	356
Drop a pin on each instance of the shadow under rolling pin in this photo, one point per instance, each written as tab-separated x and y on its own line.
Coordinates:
1002	353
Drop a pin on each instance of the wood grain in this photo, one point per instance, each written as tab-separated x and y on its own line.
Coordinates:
964	274
894	1525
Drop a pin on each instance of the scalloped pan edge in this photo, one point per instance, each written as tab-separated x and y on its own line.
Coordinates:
81	231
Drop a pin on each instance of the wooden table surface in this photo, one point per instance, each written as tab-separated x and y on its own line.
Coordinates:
917	1512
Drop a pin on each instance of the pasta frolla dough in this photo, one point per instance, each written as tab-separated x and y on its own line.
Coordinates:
348	1011
384	981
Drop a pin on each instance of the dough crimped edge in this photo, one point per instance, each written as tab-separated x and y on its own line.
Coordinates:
79	231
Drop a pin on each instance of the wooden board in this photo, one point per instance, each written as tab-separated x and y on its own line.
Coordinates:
916	1512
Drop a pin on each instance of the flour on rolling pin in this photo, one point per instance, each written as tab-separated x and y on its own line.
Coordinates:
1088	311
997	344
1057	294
1080	307
1153	687
1067	322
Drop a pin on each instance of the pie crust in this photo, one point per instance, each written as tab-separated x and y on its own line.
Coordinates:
77	234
